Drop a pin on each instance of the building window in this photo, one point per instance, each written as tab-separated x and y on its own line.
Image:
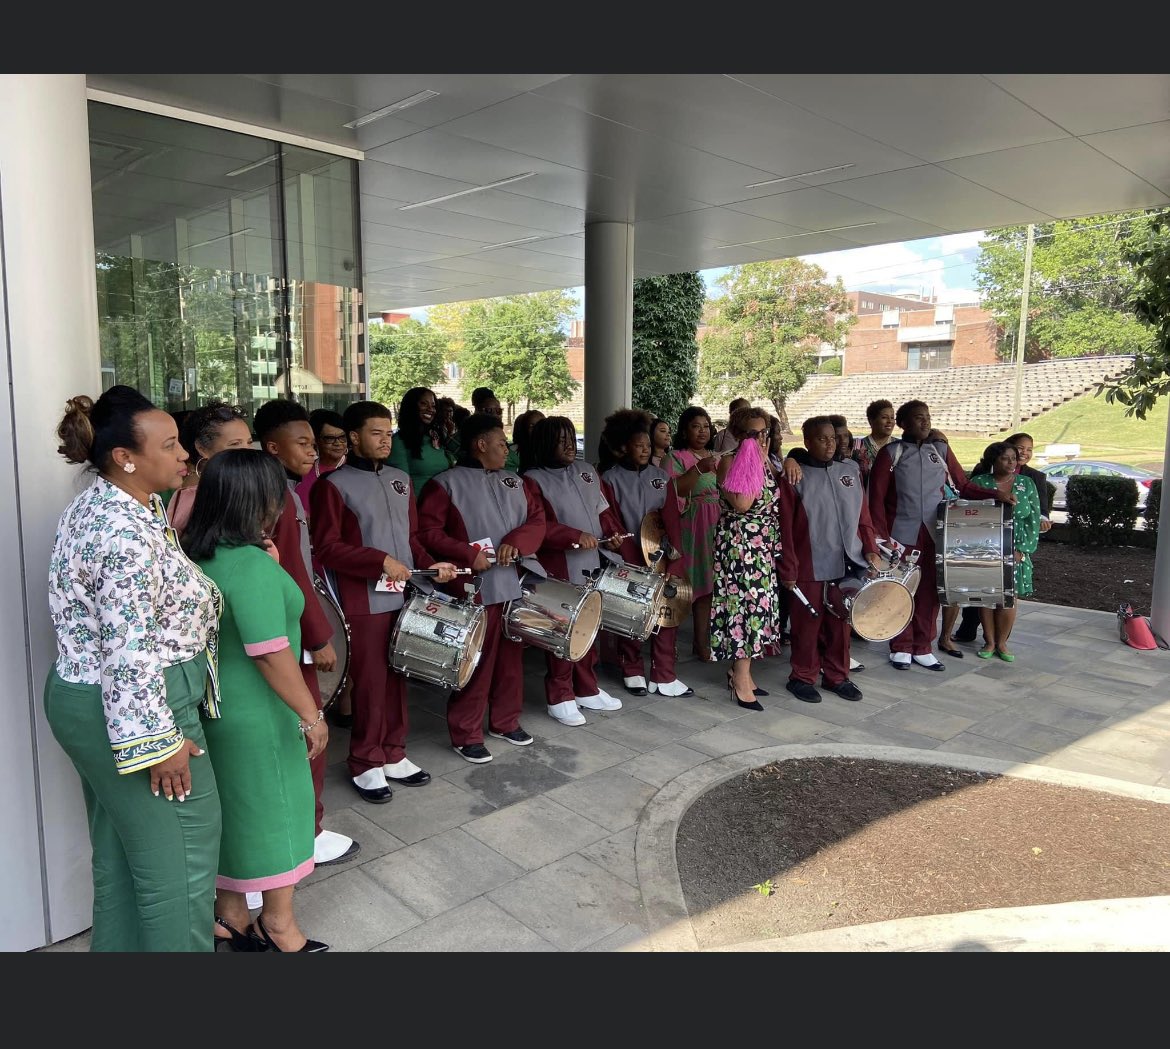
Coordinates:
922	357
889	318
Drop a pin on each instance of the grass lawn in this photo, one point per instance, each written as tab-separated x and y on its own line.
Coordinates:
1102	430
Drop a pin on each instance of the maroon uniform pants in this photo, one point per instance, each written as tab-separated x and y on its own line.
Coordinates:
563	681
317	764
661	656
378	736
497	686
918	637
819	642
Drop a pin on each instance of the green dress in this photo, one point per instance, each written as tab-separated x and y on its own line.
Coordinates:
1026	530
434	461
256	747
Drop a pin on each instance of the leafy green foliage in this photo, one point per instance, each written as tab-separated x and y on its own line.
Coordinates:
402	357
830	366
764	330
1103	509
1081	284
1149	376
1154	506
667	310
516	346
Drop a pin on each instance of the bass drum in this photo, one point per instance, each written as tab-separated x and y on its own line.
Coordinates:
332	683
976	560
556	616
880	607
438	639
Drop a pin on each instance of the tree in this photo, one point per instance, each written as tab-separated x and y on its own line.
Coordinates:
667	310
764	330
404	356
1079	289
516	346
1148	377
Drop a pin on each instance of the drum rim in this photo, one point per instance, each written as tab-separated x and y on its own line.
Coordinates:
322	589
873	584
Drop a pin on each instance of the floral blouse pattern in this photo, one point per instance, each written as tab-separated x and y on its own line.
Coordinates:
126	604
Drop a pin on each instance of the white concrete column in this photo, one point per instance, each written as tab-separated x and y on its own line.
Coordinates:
1160	600
50	344
609	324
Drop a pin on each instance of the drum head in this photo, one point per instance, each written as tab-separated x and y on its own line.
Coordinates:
471	652
332	683
586	623
881	610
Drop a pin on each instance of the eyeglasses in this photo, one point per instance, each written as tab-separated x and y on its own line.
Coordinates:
757	434
340	439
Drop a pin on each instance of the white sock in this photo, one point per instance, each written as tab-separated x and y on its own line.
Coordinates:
371	779
928	660
401	769
899	657
255	901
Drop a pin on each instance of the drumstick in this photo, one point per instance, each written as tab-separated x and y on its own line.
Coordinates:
435	571
606	539
804	601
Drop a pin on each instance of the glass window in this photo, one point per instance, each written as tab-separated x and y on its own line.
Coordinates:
228	266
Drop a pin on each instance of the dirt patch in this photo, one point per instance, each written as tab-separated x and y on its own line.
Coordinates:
1100	577
847	841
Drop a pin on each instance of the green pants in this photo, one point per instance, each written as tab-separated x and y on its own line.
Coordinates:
154	861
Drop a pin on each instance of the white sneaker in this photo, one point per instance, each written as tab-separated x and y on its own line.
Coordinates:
329	847
602	701
566	713
371	779
672	688
255	901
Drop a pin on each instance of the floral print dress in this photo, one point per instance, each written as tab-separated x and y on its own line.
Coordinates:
745	606
1026	526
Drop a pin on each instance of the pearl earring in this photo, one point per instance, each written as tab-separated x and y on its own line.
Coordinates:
129	467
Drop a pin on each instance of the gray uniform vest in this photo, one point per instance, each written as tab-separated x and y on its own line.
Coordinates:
380	500
574	493
492	504
302	528
638	492
831	499
920	474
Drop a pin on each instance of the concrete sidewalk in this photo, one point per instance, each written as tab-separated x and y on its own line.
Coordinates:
568	845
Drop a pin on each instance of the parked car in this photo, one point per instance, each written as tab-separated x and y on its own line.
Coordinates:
1059	473
580	446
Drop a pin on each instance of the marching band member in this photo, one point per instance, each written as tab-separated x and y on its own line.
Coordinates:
578	520
906	483
283	430
634	488
826	528
365	534
480	516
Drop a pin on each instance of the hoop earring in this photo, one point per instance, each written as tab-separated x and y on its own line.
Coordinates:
129	467
199	466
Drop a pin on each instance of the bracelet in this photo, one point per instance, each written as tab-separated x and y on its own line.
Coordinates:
307	727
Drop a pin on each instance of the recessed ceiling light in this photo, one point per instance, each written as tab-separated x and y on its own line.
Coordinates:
793	236
506	244
254	165
803	174
465	192
394	107
216	240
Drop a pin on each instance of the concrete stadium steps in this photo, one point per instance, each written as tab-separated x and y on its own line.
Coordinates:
976	399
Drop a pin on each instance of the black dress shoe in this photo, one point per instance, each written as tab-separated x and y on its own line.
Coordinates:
755	691
236	940
377	795
954	653
936	665
846	689
269	944
803	690
415	780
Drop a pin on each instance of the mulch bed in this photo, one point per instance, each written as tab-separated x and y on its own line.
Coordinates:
1099	577
822	843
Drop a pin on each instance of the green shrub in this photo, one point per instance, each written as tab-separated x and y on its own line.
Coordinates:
1154	506
1051	494
830	367
1104	509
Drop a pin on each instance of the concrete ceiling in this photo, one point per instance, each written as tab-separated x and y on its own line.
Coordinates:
680	157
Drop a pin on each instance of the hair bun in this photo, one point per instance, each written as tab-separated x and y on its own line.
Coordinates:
76	430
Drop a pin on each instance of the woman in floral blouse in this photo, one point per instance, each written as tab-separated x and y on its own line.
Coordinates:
134	618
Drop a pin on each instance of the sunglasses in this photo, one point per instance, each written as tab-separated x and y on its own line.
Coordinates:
756	434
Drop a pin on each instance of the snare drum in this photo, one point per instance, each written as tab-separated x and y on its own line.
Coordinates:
554	615
438	638
974	540
630	599
332	683
881	607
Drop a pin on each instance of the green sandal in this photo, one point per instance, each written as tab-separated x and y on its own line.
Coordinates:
984	653
1007	657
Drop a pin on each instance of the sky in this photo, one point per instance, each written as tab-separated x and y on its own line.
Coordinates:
944	266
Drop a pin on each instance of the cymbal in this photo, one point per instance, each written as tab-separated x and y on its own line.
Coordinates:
652	533
676	602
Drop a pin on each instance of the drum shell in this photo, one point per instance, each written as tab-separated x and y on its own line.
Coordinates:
883	606
975	553
555	616
332	683
631	597
438	639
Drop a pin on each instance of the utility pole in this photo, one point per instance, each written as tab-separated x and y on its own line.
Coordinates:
1017	406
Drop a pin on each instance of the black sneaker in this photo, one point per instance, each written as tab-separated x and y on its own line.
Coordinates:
803	690
517	736
846	690
474	752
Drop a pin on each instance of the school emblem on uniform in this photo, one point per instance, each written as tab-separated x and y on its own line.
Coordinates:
510	482
586	476
847	480
658	483
399	487
933	457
